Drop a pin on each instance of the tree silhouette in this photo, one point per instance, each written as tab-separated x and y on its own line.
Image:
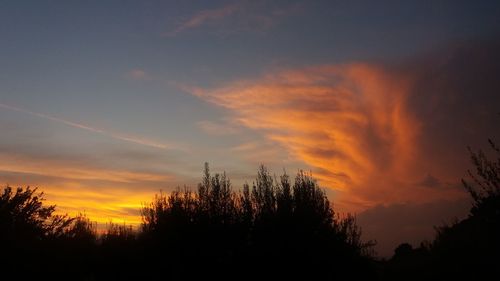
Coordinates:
469	248
28	229
24	217
485	186
81	229
272	226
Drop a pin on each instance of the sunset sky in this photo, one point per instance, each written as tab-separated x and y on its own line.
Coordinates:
105	103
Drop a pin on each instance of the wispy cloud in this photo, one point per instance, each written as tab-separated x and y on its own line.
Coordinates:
263	151
15	163
138	74
205	16
237	16
213	128
114	135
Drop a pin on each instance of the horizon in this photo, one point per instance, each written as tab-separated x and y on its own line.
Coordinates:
103	105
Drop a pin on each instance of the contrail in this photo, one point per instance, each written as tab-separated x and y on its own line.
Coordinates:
88	128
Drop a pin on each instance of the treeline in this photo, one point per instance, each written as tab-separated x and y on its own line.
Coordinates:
274	228
277	228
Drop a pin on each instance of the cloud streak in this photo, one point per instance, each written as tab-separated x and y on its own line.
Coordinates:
109	181
205	16
139	74
238	16
117	136
19	164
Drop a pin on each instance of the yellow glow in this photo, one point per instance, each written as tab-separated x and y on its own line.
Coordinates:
113	204
104	195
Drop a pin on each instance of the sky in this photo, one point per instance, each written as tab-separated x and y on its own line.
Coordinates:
105	103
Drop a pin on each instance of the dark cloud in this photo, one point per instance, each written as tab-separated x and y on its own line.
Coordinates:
430	181
394	224
456	95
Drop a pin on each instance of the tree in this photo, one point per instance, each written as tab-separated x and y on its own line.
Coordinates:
24	217
271	227
82	229
30	232
485	186
471	247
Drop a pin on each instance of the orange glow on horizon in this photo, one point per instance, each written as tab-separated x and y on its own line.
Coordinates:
103	195
118	206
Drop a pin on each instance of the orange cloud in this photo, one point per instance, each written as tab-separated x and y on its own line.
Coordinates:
350	123
19	164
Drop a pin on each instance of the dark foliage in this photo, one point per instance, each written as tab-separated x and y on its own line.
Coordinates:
274	228
34	240
465	249
23	216
471	247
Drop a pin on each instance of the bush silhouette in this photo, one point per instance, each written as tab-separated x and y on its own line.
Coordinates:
274	228
274	224
31	233
24	217
271	229
469	248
